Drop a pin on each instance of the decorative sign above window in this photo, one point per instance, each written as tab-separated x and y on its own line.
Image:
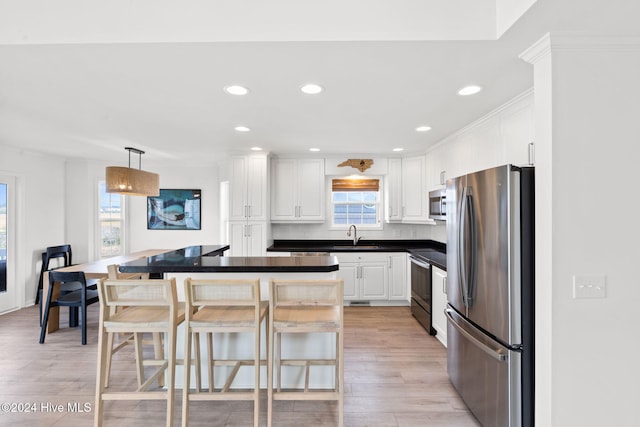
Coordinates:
360	164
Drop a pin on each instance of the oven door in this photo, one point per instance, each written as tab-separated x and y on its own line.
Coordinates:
421	292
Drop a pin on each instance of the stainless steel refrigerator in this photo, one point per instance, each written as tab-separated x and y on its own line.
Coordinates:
490	293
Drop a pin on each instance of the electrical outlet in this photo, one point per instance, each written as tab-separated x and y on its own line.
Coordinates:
589	287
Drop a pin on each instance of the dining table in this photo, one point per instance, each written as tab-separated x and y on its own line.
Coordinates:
92	270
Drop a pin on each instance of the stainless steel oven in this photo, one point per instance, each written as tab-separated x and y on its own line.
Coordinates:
421	292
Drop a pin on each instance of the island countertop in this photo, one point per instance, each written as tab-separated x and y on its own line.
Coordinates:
206	260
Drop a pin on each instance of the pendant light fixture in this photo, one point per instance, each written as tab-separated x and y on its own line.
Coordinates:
132	182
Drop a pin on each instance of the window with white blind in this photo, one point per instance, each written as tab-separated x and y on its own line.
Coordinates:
356	201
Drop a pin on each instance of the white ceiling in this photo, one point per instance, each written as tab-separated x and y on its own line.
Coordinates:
86	81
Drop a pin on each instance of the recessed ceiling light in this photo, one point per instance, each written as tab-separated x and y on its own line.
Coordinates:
236	90
242	129
256	149
423	128
398	149
311	89
314	149
469	90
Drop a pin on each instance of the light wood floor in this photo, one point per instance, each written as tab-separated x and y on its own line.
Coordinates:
395	375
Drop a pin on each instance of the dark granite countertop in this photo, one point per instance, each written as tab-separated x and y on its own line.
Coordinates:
190	260
435	252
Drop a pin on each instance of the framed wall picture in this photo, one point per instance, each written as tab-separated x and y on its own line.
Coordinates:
174	210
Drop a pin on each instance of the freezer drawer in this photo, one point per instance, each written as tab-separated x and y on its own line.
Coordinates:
485	374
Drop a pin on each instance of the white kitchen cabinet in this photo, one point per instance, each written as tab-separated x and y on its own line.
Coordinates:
377	277
415	208
393	193
517	132
297	190
439	303
365	276
247	239
248	188
398	283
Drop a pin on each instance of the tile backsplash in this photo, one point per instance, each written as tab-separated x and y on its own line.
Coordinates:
390	231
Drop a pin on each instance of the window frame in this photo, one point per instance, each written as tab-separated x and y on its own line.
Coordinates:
379	225
99	221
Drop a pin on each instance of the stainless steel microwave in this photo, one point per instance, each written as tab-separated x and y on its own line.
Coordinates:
438	205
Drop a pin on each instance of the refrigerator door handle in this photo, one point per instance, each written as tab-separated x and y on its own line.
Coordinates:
471	279
498	354
462	271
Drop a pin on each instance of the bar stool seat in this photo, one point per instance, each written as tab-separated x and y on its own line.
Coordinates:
151	306
214	307
298	307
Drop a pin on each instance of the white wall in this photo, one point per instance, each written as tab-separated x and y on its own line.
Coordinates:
173	177
586	118
40	213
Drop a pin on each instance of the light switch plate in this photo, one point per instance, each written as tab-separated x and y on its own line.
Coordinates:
589	287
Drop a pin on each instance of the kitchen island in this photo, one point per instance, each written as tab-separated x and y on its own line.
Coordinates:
205	262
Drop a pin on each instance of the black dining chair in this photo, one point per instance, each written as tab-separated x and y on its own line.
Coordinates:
64	257
78	299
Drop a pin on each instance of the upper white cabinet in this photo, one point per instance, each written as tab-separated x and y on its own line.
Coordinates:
503	136
415	207
248	188
393	194
517	131
297	190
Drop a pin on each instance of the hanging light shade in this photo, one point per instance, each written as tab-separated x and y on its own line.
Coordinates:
132	182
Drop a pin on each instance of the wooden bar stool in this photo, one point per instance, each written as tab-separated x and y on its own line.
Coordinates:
222	306
125	339
300	307
151	306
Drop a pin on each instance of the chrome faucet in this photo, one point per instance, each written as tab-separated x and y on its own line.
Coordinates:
355	234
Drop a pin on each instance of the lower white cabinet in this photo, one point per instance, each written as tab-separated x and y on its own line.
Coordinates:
439	303
398	283
372	276
247	239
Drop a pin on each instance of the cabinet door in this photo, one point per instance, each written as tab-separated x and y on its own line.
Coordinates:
256	239
394	190
414	197
248	188
311	195
374	279
284	188
237	239
517	133
348	272
439	303
238	189
257	188
398	284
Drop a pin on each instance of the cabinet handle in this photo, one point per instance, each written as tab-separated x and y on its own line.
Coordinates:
444	286
390	263
442	177
249	211
532	153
